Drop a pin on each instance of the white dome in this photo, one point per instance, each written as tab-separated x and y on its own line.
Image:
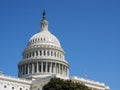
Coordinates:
44	37
43	55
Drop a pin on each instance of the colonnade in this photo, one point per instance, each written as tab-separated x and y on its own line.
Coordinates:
48	53
43	67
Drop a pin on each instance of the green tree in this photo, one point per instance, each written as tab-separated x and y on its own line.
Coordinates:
60	84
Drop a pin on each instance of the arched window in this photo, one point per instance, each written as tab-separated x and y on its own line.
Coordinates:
48	53
20	68
44	66
58	54
39	67
30	54
44	53
30	68
23	69
35	67
26	69
44	39
55	54
5	86
12	88
33	54
27	55
48	67
51	53
36	53
40	53
53	66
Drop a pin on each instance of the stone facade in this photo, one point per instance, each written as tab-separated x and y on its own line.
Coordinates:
11	83
43	59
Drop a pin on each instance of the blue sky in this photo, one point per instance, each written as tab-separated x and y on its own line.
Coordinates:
89	32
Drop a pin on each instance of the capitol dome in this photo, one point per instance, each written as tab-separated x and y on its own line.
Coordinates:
44	37
43	55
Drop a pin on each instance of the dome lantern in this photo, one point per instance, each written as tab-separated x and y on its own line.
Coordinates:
44	23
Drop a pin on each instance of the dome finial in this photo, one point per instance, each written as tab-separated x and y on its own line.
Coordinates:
44	22
44	14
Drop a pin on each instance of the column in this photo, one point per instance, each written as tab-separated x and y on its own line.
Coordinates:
62	69
42	52
38	53
32	68
55	69
45	52
1	86
42	67
25	69
51	53
22	69
28	68
37	67
46	66
67	71
34	53
50	68
19	71
59	68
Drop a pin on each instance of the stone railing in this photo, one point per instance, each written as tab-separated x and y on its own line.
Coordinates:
15	79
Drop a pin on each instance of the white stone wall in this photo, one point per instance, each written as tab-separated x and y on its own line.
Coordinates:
38	84
10	83
90	83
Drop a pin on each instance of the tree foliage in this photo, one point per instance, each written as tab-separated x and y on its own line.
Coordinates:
60	84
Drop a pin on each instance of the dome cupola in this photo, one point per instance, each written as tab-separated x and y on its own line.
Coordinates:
44	23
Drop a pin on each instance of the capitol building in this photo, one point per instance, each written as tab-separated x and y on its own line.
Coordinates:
43	59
